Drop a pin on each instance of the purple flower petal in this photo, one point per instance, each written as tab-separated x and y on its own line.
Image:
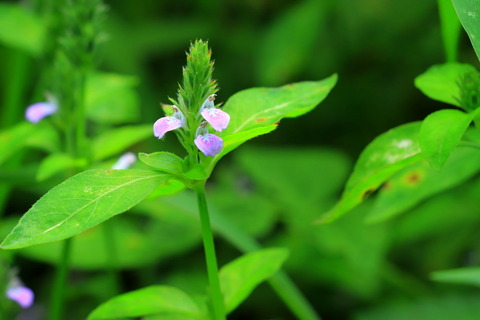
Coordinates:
40	110
125	161
209	144
217	118
164	125
22	295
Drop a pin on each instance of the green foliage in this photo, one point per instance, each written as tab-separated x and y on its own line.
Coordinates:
80	203
288	42
163	161
21	28
57	163
440	133
467	11
13	139
381	159
468	276
111	99
149	301
440	82
419	181
452	306
116	140
239	277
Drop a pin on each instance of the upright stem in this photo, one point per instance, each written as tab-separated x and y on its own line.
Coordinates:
58	298
210	256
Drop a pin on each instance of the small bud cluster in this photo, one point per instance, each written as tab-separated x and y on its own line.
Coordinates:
206	142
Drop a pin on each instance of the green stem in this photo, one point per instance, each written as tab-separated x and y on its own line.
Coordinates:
450	27
210	256
58	298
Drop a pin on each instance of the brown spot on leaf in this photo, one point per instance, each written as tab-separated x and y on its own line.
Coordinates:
413	178
367	193
262	119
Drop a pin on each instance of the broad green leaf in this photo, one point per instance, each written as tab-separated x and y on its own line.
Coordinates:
111	99
261	107
450	29
239	277
163	161
13	139
440	82
288	42
21	28
440	133
196	172
80	203
419	181
148	301
468	12
117	140
56	163
469	276
381	159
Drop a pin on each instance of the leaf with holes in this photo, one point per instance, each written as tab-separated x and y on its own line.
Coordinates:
80	203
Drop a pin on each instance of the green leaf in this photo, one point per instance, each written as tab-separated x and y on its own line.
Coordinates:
419	181
440	82
469	276
56	163
468	13
117	140
381	159
163	161
239	277
45	138
80	203
168	188
261	107
13	139
111	99
440	133
148	301
20	28
288	43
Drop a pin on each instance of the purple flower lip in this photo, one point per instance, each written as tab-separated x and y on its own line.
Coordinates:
165	124
40	110
22	295
217	118
209	144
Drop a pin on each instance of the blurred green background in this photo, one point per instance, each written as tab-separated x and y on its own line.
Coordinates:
276	185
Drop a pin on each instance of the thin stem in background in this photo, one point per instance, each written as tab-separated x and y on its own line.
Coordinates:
210	256
58	294
450	26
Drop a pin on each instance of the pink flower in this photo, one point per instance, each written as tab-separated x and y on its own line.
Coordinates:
40	110
217	118
22	295
165	124
209	144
